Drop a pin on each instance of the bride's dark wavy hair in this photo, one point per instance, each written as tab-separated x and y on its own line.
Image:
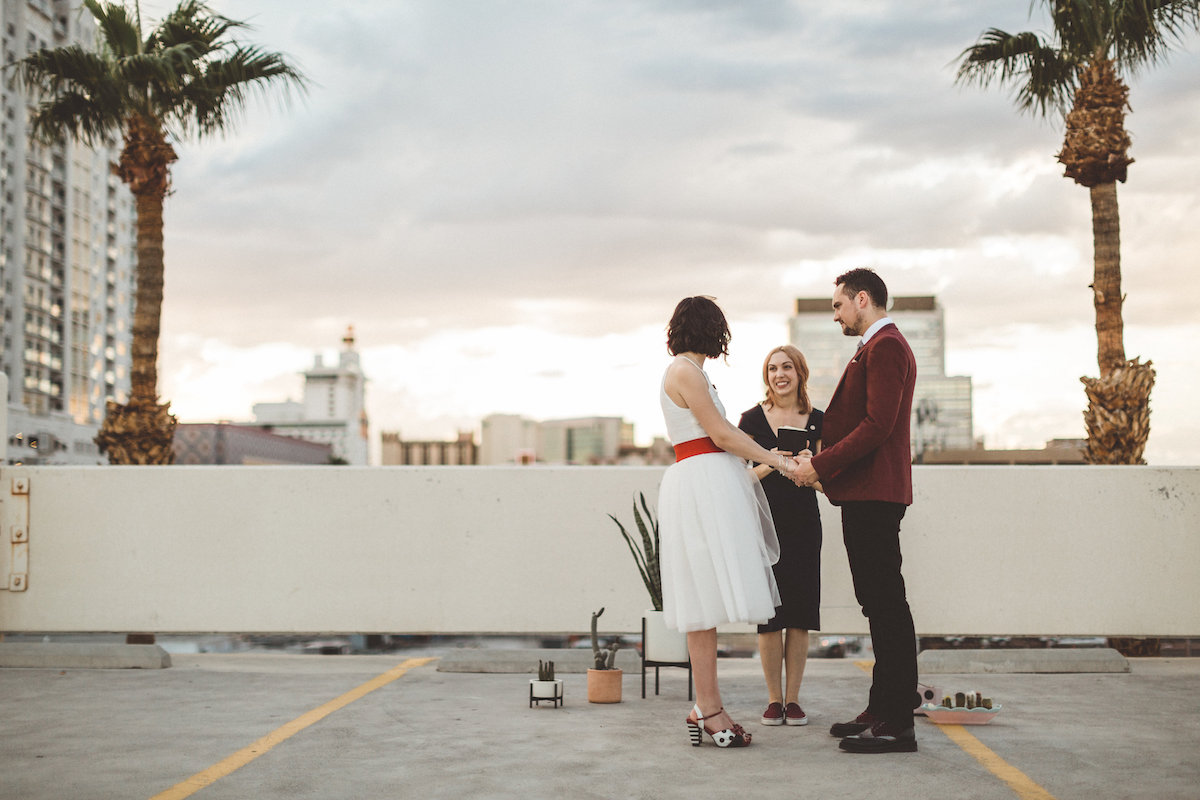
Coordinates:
698	326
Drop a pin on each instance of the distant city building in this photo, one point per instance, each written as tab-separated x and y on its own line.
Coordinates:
659	453
333	411
512	439
586	440
508	439
396	451
49	439
66	261
232	443
942	404
1056	451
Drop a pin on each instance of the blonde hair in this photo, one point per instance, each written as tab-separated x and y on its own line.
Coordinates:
797	358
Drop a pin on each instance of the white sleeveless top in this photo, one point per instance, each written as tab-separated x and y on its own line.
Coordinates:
682	425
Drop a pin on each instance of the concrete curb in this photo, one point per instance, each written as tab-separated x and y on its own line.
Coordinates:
54	655
573	660
1098	659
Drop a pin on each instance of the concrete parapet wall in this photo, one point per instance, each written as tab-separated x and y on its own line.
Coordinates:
988	550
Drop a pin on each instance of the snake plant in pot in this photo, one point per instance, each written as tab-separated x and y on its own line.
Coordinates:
661	644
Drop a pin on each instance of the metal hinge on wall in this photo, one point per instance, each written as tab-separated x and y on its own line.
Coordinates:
16	522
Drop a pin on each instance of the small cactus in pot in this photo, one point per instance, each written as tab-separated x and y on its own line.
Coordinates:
604	679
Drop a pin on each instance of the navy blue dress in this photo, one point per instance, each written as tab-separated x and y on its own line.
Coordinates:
798	524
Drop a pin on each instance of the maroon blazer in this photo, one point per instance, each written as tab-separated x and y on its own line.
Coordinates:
865	444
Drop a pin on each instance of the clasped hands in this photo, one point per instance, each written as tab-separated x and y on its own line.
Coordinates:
798	468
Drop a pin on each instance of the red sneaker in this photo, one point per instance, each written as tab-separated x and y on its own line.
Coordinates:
794	715
773	715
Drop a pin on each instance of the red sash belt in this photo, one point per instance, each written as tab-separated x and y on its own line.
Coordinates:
695	447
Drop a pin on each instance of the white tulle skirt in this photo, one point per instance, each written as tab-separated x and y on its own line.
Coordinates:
718	544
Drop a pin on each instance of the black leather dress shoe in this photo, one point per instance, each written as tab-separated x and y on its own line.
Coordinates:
861	723
882	738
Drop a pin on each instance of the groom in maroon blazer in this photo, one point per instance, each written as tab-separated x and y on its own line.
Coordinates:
865	467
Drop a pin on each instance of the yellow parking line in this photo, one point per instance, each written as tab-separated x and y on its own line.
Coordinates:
1018	781
247	754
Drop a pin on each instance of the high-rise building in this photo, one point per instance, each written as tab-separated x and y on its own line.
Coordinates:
942	413
333	410
66	261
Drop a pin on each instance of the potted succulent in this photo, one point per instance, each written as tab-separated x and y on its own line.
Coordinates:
603	679
545	687
660	644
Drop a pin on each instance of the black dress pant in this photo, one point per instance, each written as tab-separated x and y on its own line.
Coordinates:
871	530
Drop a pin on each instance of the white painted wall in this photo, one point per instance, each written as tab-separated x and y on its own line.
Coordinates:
988	550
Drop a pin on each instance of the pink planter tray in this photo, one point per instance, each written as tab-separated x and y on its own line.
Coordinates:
960	716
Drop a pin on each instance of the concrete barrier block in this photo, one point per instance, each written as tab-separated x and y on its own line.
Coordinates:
63	655
960	662
572	660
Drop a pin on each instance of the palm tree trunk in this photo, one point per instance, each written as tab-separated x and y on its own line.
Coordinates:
143	430
1118	413
1106	282
147	309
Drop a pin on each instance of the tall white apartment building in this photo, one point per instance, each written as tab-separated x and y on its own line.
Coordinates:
942	412
333	411
66	262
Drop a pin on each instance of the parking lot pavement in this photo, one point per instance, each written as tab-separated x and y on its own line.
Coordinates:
358	727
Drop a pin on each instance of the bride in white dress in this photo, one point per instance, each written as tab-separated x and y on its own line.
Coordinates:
718	539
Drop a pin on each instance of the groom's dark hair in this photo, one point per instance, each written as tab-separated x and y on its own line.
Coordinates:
864	280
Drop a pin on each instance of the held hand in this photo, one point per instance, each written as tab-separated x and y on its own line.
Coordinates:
805	475
796	478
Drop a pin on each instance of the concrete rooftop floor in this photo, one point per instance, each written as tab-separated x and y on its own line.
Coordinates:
262	725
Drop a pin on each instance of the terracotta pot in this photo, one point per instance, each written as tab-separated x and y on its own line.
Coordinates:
662	644
604	685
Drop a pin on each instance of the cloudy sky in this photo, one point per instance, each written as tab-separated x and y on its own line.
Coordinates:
507	198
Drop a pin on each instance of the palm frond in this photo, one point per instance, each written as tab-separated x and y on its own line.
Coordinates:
187	76
193	23
65	82
146	71
1144	31
1043	75
51	70
120	34
1081	26
71	113
211	99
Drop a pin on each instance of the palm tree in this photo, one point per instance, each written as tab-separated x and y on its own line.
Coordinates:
185	77
1077	72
